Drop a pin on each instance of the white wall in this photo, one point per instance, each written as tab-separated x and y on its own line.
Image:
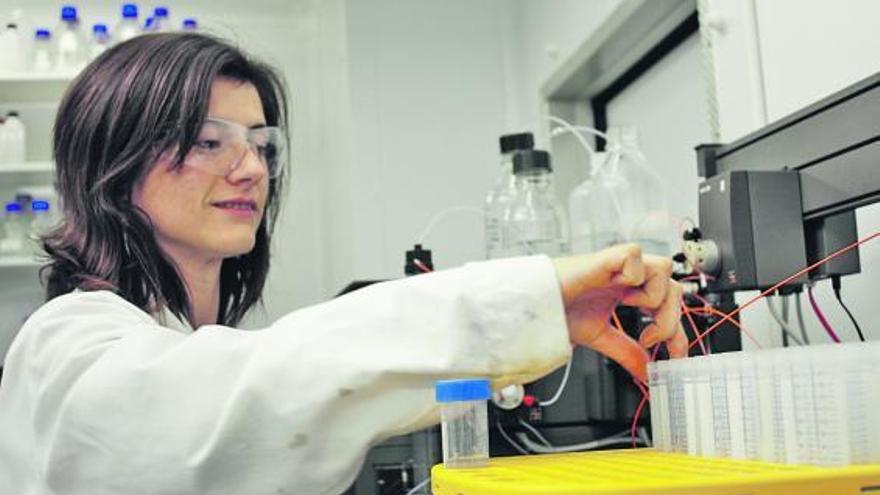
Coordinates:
543	35
427	95
668	107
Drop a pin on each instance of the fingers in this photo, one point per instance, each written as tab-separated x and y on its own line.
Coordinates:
652	293
678	344
667	318
615	267
624	350
624	265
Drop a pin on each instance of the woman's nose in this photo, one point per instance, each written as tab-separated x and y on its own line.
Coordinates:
249	167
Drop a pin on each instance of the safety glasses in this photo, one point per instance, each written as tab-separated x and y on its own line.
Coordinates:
222	145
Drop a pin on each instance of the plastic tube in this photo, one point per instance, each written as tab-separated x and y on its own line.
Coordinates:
535	432
559	390
782	323
593	445
800	318
821	316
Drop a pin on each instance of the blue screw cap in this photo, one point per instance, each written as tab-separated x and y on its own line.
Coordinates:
160	12
68	13
190	23
462	390
43	34
13	207
130	11
99	29
39	205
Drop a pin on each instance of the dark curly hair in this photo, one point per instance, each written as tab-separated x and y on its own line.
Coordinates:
144	97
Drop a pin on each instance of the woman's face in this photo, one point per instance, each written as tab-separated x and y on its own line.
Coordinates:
196	210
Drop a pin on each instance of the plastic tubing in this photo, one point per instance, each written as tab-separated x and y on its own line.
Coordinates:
442	213
580	137
782	323
595	444
558	393
821	316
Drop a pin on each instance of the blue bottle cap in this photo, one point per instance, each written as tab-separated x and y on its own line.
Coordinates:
68	13
13	207
99	29
43	34
190	23
160	12
462	390
150	23
130	11
39	205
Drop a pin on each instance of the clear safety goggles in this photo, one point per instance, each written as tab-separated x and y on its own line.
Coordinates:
222	145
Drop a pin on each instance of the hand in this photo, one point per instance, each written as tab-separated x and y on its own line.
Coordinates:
594	284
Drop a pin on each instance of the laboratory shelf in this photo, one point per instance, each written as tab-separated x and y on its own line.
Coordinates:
27	168
36	77
18	262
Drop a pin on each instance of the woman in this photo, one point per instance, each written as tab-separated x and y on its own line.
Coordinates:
169	151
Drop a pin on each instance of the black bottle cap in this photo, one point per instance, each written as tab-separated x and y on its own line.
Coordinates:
530	161
514	142
423	256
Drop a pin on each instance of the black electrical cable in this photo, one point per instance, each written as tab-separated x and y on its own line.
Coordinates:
835	283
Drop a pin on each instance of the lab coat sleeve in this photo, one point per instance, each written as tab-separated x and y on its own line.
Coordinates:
122	405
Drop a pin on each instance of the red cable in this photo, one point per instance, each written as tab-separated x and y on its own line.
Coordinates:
787	280
715	312
694	328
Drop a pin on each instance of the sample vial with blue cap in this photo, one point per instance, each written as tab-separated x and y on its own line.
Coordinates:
464	421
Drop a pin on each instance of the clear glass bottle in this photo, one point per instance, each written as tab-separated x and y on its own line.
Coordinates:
11	43
161	19
71	46
502	191
128	27
15	230
41	218
580	205
100	40
628	200
534	221
190	24
43	53
14	137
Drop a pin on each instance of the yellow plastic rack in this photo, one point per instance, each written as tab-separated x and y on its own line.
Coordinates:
648	472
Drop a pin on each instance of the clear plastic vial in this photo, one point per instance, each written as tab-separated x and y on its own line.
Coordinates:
464	422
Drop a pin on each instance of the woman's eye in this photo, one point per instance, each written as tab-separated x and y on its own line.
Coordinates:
207	144
268	150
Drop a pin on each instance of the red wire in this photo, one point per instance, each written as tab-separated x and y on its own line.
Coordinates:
712	311
729	317
787	280
694	327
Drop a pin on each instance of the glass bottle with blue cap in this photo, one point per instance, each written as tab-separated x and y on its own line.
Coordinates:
464	421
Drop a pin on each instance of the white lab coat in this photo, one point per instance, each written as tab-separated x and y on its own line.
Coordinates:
99	398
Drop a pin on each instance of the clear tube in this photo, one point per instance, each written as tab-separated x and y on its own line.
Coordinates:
465	434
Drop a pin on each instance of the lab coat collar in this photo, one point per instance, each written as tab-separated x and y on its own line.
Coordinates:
167	319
